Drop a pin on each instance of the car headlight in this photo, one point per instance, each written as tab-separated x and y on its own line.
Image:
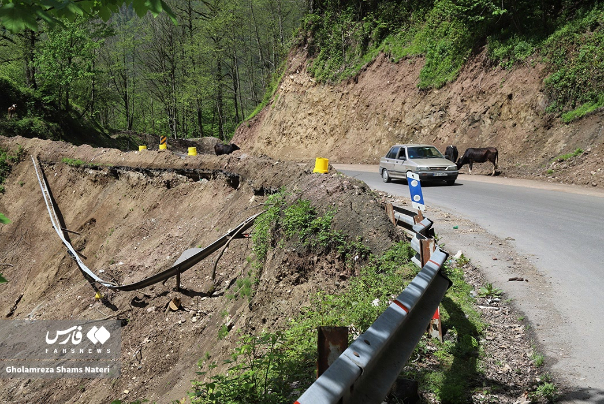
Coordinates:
422	169
451	168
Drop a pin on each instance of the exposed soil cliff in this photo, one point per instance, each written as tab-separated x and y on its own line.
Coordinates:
357	121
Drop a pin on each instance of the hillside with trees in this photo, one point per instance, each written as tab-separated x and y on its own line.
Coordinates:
197	72
525	77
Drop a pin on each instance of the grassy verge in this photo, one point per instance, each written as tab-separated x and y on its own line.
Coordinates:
275	367
448	370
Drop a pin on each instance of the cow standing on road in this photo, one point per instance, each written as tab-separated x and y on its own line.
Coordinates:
451	153
479	155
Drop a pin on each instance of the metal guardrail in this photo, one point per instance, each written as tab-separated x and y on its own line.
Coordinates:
366	370
187	259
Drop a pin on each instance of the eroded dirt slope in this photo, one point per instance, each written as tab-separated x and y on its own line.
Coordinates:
133	214
357	121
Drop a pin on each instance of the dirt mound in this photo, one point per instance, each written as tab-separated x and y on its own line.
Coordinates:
131	214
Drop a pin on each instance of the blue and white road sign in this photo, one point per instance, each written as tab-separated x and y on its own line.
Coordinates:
415	188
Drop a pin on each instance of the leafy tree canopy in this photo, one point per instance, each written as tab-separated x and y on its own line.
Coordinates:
18	15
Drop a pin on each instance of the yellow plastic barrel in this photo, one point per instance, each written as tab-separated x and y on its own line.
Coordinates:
321	165
192	151
141	148
163	146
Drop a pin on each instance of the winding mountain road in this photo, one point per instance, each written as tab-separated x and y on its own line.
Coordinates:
558	231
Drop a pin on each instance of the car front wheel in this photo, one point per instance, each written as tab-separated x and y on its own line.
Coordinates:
385	175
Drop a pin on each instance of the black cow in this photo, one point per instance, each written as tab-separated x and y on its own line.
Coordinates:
451	153
479	155
221	148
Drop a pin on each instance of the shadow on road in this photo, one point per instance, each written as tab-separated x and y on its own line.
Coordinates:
587	395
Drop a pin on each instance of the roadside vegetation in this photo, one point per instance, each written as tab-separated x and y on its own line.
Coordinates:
276	366
568	156
169	68
567	36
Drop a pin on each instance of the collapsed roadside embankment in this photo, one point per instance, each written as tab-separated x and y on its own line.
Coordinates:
130	215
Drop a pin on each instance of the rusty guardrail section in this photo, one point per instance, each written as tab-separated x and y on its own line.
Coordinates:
366	370
187	259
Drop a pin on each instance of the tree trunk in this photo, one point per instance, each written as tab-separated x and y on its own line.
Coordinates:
30	38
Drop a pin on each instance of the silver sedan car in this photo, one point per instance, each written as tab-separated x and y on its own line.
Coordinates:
424	160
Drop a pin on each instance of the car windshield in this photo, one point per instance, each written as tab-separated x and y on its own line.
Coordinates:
423	152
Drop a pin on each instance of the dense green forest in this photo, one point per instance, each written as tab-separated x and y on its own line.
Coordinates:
200	76
202	67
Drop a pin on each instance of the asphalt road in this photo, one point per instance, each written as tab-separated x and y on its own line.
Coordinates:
559	230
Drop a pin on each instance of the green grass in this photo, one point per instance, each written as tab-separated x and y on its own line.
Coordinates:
568	156
4	219
243	288
574	54
277	366
266	368
445	34
545	390
73	162
451	378
537	358
583	110
299	223
454	364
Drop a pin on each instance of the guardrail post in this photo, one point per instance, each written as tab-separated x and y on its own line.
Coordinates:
331	342
435	329
427	247
390	213
419	217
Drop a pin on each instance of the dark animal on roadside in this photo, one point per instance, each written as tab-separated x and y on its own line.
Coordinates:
221	148
451	153
12	110
479	155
